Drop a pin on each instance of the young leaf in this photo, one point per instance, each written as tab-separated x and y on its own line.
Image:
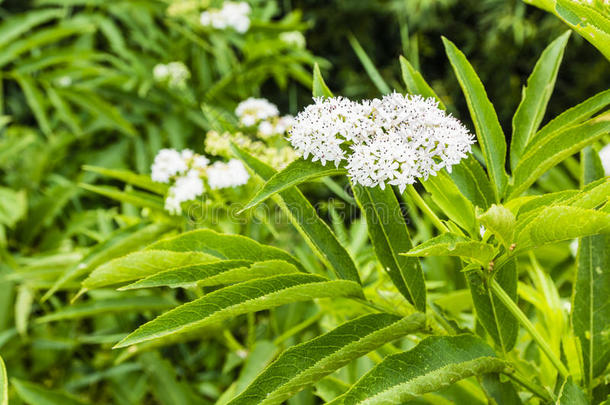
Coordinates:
137	198
501	222
369	66
450	244
303	365
535	98
305	219
571	394
107	306
320	89
238	299
435	363
232	247
222	272
591	312
35	394
489	133
491	312
554	148
3	384
390	237
36	101
415	82
473	183
137	180
142	264
297	172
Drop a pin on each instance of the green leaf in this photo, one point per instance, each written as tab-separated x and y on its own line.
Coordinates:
302	365
297	172
574	115
590	309
233	247
501	222
536	97
167	386
499	392
449	198
415	82
588	19
13	206
450	244
593	195
320	89
35	100
222	272
489	133
251	296
369	66
495	318
3	384
389	235
137	198
557	223
435	363
107	306
305	219
554	148
473	183
137	180
35	394
142	264
18	24
571	394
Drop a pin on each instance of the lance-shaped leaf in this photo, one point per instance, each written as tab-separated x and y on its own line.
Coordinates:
552	149
35	394
435	363
416	83
303	365
137	180
557	223
233	247
222	272
535	97
571	394
319	89
593	195
591	312
295	173
238	299
305	219
499	391
3	384
390	237
495	318
107	306
473	183
142	264
450	244
501	222
488	129
137	198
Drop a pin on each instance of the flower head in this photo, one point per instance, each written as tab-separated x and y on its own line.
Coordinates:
167	163
223	175
175	74
232	15
186	188
253	110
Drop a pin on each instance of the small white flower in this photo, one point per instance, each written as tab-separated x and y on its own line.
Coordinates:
294	38
186	188
604	156
160	72
223	175
200	162
64	81
253	110
167	163
232	15
174	73
266	129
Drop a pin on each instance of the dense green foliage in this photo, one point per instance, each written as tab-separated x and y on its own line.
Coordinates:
302	286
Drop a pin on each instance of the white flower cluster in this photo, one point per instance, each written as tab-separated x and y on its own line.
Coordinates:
604	156
175	74
232	15
185	172
393	140
261	112
293	38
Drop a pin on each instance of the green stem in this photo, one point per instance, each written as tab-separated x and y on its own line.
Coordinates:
514	309
533	388
419	201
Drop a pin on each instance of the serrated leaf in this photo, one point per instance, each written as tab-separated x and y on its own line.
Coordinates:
593	195
320	89
554	148
590	309
305	219
473	183
3	384
435	363
137	180
297	172
415	82
390	237
450	244
113	305
303	365
489	132
222	272
495	318
142	264
222	246
571	394
35	394
501	222
535	97
229	302
557	223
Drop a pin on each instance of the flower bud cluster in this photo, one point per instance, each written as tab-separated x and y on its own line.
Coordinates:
175	74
